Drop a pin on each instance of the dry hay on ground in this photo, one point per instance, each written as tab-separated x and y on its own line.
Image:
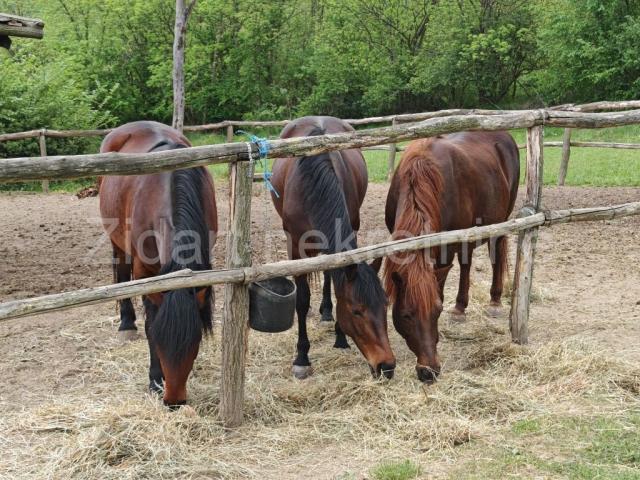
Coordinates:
74	403
337	421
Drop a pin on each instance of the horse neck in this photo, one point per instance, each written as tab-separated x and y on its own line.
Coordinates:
189	242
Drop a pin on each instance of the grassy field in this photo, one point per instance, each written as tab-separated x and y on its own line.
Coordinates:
602	167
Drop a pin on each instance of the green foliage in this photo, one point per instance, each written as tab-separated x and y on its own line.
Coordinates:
109	62
37	94
591	49
405	470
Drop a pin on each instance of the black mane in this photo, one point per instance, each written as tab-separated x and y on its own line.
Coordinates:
325	202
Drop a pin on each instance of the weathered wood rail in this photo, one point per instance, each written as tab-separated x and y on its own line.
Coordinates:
398	118
226	124
15	26
248	274
64	166
228	127
241	272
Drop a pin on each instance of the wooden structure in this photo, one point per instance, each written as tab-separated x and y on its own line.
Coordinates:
518	319
240	272
78	166
15	26
227	126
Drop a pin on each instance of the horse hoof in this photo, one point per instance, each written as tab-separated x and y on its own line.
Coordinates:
125	336
341	345
456	315
302	371
494	311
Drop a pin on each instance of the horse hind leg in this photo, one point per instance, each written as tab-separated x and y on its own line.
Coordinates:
326	307
498	253
122	272
462	300
301	364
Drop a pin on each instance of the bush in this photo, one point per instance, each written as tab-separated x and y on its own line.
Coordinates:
35	93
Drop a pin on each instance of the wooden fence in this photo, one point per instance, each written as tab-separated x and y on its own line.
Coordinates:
239	270
227	126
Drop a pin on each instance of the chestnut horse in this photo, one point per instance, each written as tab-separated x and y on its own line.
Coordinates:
319	203
161	223
446	183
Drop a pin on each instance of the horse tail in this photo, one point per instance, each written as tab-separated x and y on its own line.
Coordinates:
180	323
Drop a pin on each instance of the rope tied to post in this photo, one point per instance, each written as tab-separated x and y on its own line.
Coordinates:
263	150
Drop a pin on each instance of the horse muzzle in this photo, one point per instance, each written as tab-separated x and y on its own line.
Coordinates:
426	374
385	370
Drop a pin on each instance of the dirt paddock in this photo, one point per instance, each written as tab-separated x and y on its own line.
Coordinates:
74	404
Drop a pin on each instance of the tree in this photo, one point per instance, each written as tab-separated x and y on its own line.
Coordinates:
182	17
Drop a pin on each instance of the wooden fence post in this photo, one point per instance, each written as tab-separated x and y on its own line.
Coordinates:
235	326
566	153
229	133
42	141
520	297
391	162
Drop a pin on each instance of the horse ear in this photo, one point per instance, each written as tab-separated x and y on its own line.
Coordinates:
376	264
397	279
351	272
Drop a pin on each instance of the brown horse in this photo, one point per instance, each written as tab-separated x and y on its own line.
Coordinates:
158	224
446	183
319	203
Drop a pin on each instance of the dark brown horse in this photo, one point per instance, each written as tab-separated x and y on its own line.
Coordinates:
319	203
158	224
446	183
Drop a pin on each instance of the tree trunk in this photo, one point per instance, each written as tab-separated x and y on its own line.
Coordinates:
180	31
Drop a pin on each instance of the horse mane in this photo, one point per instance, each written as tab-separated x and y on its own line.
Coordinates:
180	324
423	184
326	205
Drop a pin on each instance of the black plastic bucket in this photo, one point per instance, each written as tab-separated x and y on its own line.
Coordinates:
272	304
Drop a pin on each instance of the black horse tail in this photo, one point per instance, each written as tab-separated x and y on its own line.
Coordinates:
180	322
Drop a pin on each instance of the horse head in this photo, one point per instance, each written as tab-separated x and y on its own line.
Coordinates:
362	314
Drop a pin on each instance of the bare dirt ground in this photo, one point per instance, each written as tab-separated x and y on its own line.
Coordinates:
67	382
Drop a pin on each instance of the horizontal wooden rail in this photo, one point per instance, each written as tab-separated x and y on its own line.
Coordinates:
627	146
402	118
399	118
59	167
15	26
599	106
187	278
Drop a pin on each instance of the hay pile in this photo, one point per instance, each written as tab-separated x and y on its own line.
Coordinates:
339	420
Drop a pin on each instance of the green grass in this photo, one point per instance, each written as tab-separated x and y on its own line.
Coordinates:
598	167
563	447
601	167
404	470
